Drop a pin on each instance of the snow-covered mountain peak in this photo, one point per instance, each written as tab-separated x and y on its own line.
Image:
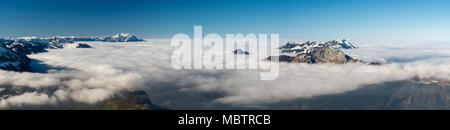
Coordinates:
12	60
295	48
342	43
27	38
122	37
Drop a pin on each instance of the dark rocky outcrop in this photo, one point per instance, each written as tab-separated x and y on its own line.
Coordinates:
129	100
281	58
27	46
309	46
12	60
241	52
324	55
81	45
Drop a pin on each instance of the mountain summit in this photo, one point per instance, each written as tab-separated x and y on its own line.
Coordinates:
123	37
313	52
14	51
309	46
12	60
325	54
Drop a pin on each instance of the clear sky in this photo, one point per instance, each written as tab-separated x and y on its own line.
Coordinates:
292	19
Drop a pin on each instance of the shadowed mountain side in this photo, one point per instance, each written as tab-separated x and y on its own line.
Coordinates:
399	95
325	54
38	66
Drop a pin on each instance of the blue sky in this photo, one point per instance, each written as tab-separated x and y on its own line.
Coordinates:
292	19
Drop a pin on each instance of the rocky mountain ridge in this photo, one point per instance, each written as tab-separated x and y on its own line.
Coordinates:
309	46
11	60
326	54
14	50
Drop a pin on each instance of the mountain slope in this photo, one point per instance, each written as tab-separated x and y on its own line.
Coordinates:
14	61
309	46
397	95
325	54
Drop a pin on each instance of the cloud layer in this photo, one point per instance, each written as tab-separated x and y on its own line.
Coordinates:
97	73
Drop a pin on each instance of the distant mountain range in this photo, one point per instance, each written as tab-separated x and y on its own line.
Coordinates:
123	37
326	54
313	52
13	57
12	60
241	52
13	51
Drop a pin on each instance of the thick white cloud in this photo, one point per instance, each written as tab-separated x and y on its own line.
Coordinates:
304	81
94	84
91	95
97	73
27	98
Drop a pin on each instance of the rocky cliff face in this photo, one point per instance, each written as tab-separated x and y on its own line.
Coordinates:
319	55
324	55
13	53
309	46
77	45
12	60
25	47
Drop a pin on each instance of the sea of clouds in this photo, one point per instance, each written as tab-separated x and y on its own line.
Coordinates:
94	74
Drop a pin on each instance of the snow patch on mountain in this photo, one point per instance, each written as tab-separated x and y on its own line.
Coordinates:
123	37
11	60
295	48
